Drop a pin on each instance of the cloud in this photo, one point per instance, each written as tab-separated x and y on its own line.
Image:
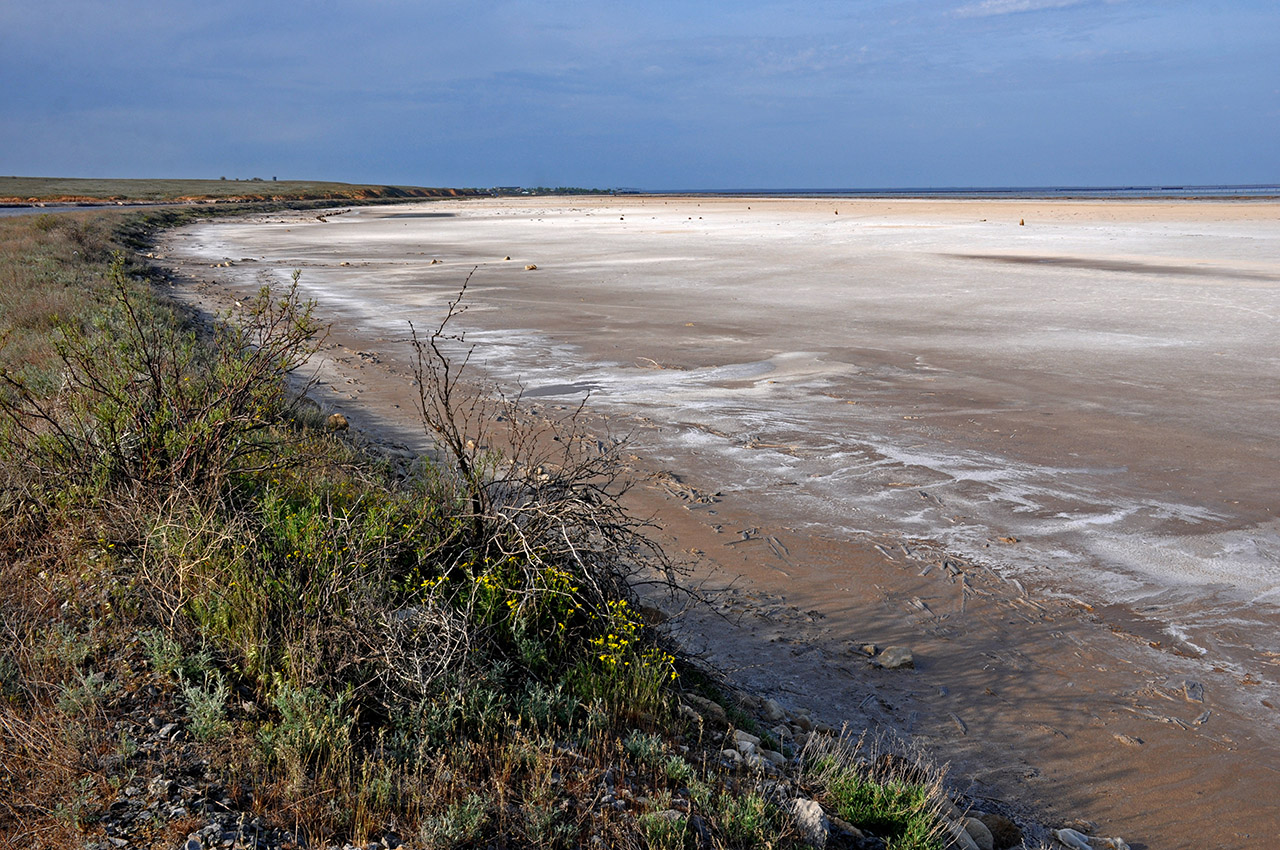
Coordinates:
988	8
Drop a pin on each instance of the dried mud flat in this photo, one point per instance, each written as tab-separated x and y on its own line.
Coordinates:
1041	455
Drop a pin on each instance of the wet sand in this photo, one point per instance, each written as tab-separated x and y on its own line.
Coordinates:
1042	455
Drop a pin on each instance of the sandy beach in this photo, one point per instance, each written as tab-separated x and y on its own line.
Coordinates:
1037	442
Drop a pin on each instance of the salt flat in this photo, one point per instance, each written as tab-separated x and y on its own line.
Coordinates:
1077	403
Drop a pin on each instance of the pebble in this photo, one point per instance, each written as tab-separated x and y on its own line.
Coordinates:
1072	839
979	833
960	836
811	821
1004	832
846	827
775	757
896	658
713	710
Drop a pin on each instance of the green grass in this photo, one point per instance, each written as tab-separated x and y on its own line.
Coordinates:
75	189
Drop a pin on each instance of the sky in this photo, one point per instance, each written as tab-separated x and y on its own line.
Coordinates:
652	95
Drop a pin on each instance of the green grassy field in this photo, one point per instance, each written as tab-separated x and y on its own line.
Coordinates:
83	190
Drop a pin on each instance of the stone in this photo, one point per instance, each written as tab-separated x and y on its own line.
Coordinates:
337	422
804	722
773	711
774	756
979	833
746	747
531	267
713	710
1072	839
811	821
896	658
732	756
847	828
1004	832
869	649
739	736
701	831
960	839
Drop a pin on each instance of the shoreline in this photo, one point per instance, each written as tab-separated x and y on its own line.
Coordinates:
807	608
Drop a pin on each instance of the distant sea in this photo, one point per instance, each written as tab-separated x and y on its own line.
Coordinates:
1260	190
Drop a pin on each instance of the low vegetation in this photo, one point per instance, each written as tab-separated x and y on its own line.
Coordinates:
218	611
22	190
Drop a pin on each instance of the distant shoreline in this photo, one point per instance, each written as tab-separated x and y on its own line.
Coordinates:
1260	191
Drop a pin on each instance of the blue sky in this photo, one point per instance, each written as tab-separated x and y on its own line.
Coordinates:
843	93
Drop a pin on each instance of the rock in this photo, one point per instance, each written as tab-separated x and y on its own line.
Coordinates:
959	836
896	658
869	649
1193	691
847	828
739	736
701	831
811	821
531	267
979	833
804	722
773	711
337	422
1004	832
774	756
732	756
948	809
713	710
1072	839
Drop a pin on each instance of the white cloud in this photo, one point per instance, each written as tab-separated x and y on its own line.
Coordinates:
987	8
